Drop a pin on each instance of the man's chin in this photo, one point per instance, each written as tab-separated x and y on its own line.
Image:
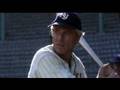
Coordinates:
60	51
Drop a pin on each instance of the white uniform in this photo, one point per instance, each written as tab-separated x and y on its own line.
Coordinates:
47	64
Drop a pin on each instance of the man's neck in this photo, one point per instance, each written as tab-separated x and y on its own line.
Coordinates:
66	57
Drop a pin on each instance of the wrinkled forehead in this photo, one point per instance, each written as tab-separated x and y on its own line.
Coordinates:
63	27
67	29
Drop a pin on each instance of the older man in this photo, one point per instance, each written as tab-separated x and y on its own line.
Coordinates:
58	60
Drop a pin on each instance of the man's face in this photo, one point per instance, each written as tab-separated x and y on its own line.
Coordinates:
64	39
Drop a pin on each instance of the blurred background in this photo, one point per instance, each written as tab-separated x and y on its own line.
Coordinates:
22	34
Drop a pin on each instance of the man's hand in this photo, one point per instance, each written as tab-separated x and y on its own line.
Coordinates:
107	72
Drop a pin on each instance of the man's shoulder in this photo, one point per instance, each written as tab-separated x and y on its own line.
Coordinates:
43	52
46	49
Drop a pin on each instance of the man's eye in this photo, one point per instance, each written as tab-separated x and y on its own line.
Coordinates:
56	32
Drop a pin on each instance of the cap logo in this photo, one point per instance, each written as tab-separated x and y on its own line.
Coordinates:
64	16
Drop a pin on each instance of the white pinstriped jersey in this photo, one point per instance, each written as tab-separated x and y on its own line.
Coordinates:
47	64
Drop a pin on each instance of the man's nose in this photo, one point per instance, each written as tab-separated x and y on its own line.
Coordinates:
60	37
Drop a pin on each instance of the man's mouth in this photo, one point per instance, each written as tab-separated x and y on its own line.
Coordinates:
59	45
